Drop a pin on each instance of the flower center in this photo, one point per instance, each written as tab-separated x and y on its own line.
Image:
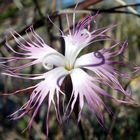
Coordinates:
69	67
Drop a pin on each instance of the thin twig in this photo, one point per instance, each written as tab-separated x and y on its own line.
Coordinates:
86	3
129	7
70	11
108	11
124	6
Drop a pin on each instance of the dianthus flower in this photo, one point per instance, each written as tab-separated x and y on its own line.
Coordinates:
85	86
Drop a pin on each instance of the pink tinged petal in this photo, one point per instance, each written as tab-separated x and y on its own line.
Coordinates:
54	59
75	42
82	86
45	88
100	66
33	49
81	38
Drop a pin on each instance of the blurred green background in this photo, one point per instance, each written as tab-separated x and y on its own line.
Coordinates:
19	15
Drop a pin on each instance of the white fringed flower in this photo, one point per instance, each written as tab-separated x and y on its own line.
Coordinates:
58	66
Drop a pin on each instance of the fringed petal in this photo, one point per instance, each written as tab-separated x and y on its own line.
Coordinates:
47	87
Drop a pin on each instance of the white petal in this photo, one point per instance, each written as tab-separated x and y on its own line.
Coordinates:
35	48
46	87
52	77
51	59
89	59
75	43
105	71
84	87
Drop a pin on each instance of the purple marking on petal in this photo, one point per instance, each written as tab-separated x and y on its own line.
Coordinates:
99	55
